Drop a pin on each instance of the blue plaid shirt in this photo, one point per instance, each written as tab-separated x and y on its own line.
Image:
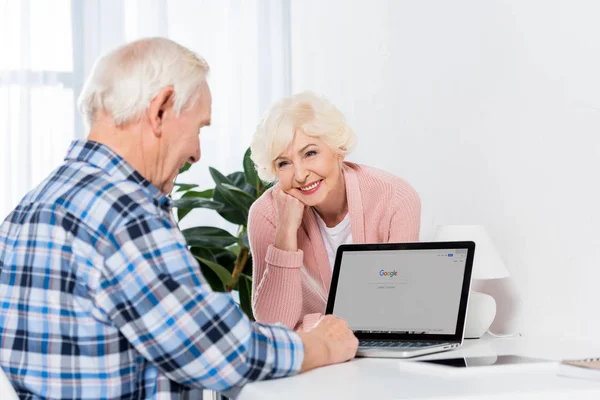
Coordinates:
101	298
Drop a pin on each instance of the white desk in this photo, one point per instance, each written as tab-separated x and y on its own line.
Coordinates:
374	379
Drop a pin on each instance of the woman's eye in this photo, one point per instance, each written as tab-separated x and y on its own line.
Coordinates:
282	164
311	153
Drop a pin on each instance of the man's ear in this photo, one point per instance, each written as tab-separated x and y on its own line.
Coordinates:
161	104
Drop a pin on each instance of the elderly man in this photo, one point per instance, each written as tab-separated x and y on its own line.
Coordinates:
100	296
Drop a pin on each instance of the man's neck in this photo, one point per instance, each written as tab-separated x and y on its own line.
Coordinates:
125	141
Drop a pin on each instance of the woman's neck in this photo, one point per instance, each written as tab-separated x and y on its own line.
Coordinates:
334	208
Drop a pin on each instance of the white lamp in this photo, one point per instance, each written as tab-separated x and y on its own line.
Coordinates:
487	264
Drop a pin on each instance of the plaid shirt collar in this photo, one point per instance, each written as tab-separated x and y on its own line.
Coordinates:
103	157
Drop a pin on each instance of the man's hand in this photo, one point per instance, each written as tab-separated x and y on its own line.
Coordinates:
330	342
289	217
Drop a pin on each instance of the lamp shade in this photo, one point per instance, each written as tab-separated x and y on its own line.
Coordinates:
487	263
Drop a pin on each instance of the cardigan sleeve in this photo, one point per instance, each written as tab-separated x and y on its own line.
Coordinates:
276	275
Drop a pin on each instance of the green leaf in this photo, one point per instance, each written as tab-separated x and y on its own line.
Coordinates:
182	187
250	171
245	289
185	204
235	249
239	206
208	236
220	255
185	167
219	177
181	213
226	258
216	249
235	197
205	194
221	272
239	180
244	239
244	195
248	267
189	203
211	277
231	214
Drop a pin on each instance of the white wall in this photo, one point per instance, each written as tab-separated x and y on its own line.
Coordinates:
491	109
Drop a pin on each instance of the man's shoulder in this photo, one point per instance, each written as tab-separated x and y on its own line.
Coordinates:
93	197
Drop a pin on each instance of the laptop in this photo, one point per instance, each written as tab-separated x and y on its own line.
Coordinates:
403	299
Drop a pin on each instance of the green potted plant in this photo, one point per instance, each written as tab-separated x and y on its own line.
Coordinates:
225	259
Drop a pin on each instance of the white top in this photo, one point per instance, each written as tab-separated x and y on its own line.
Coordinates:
335	236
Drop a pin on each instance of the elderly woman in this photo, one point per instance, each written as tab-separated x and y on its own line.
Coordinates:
319	202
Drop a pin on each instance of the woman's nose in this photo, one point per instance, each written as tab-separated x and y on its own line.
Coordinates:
300	174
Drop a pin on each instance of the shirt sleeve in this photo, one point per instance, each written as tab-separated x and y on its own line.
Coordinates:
155	294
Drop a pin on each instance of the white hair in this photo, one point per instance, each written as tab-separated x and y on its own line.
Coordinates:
124	82
313	114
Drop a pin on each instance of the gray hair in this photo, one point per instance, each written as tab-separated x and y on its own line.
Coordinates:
124	81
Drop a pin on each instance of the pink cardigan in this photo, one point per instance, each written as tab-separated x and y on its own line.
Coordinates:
291	287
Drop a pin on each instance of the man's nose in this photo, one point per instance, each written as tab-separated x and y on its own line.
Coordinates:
196	157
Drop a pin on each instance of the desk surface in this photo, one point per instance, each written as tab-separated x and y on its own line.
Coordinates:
370	378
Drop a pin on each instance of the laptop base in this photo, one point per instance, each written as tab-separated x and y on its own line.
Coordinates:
403	352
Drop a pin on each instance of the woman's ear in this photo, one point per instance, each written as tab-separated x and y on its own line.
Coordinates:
159	106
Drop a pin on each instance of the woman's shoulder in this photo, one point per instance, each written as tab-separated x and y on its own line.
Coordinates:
377	181
371	176
264	206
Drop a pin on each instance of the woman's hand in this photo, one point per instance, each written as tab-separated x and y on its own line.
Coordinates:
289	217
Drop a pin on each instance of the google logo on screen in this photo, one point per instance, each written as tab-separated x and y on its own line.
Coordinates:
391	274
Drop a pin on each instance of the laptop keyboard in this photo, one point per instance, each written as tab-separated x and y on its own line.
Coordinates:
386	343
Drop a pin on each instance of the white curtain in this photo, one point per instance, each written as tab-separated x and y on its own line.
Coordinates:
48	48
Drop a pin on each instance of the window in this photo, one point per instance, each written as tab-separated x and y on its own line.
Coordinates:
37	98
50	46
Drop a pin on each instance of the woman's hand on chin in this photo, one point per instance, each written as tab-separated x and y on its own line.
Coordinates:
289	217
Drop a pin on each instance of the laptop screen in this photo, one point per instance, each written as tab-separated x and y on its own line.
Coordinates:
405	291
